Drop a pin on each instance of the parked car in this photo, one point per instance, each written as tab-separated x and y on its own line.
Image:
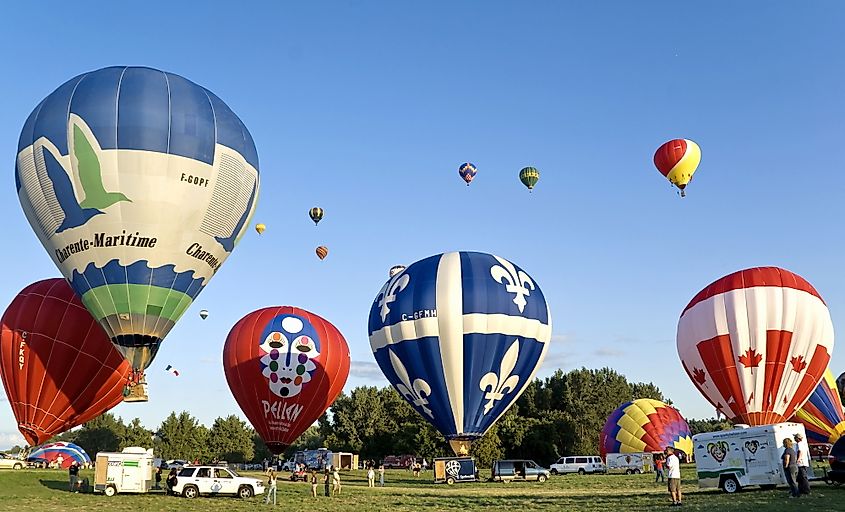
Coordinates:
37	462
7	462
836	475
398	461
581	464
215	480
820	451
175	464
288	465
508	470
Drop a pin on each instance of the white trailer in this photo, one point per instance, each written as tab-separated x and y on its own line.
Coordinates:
128	471
629	463
743	456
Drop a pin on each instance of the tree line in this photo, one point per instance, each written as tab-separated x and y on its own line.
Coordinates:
560	415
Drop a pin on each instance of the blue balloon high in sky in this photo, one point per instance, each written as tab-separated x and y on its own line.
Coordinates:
460	335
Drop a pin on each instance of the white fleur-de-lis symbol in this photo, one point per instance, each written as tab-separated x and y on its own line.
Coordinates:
393	288
416	393
497	386
516	281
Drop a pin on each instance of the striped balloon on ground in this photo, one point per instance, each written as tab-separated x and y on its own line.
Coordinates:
822	415
677	160
756	344
460	335
69	453
644	425
139	184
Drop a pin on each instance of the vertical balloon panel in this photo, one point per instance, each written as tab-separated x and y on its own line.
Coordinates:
460	335
139	183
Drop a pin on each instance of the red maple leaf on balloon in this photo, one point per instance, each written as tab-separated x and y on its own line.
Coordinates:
699	375
798	363
750	358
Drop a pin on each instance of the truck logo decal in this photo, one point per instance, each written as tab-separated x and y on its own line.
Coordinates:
718	450
752	446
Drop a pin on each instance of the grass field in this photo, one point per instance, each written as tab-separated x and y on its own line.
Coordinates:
39	490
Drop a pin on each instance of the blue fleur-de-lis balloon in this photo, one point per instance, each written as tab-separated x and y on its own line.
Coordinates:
460	335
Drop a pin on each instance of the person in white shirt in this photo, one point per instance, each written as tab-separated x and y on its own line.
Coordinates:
803	466
673	475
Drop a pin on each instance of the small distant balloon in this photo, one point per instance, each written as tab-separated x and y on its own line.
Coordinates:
395	270
204	314
260	228
529	176
677	160
467	172
316	214
322	252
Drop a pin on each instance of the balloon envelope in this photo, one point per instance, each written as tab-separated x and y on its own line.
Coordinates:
460	335
58	366
285	367
467	172
529	176
822	415
644	425
756	343
68	451
677	160
316	214
322	252
204	314
259	228
139	183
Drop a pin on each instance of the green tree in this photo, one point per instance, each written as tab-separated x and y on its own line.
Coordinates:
488	448
230	439
260	450
135	434
182	437
102	434
708	425
643	390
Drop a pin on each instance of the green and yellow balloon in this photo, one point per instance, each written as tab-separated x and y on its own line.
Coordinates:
529	176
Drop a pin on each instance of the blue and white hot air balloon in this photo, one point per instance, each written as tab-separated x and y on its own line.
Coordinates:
460	335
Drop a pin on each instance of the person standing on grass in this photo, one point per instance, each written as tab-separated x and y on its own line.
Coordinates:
271	487
803	466
658	469
790	467
371	477
327	482
381	476
59	461
313	483
673	467
171	482
335	482
73	475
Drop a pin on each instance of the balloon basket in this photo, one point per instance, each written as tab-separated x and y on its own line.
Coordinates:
460	446
135	393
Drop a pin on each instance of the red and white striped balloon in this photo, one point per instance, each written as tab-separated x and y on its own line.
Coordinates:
756	343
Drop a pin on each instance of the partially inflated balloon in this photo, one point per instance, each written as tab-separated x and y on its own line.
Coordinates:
322	252
139	183
677	160
467	172
822	415
316	214
58	366
756	344
69	452
460	335
285	367
259	228
529	176
644	425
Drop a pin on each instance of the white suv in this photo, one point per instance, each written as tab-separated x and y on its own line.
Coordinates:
578	464
195	480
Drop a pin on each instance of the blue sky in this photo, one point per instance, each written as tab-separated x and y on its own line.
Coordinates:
368	108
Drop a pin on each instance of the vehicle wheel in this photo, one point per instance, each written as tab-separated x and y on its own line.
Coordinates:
541	478
637	471
450	481
110	490
190	492
730	485
581	472
18	465
245	492
629	472
554	471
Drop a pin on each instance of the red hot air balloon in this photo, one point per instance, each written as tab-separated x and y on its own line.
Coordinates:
756	344
285	367
59	368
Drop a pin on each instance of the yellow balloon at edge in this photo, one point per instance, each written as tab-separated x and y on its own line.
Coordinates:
260	228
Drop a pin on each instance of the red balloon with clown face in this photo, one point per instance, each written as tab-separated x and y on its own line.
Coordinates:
285	367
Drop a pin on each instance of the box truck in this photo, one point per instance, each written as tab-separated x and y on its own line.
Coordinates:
743	456
128	471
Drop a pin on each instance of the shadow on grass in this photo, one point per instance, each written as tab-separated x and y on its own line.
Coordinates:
56	485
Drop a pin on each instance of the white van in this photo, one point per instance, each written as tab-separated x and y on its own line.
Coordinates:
630	463
743	456
581	464
128	471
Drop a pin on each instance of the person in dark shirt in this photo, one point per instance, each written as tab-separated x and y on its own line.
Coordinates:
73	473
790	467
158	478
171	482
